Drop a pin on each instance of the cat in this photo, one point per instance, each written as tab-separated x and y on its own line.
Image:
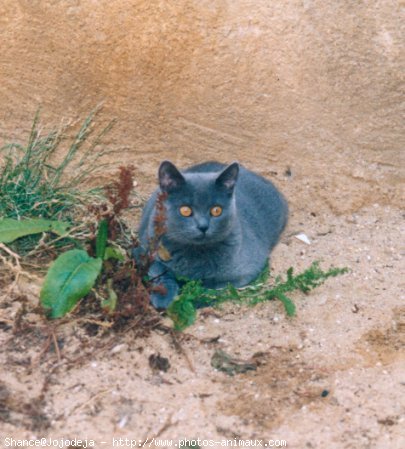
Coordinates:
222	221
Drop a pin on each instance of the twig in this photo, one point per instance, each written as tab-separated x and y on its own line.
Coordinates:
16	267
56	345
41	244
181	350
79	407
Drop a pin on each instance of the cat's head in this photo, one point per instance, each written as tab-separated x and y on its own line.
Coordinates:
200	207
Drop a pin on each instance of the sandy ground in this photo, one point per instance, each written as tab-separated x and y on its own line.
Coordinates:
333	376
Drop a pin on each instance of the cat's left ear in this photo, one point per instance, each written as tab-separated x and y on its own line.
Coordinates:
169	177
228	177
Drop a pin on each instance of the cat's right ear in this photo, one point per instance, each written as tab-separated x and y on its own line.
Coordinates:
228	177
169	177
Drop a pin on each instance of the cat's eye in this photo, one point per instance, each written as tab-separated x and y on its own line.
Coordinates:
186	211
216	211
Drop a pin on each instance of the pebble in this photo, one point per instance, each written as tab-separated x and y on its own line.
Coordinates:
119	348
303	238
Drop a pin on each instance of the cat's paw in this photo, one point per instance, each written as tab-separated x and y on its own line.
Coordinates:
163	292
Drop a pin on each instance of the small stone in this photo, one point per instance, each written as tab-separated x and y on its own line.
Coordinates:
118	348
303	238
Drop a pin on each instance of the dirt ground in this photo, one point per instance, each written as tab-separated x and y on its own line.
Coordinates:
332	376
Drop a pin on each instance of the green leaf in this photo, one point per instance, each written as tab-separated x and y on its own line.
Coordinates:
101	240
11	229
70	278
111	252
183	312
233	293
289	306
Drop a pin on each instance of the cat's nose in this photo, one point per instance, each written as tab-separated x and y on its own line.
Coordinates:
202	224
203	227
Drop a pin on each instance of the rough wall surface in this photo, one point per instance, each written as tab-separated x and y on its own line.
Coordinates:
313	85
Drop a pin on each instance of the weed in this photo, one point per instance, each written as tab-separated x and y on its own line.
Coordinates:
145	258
193	295
49	216
76	272
33	185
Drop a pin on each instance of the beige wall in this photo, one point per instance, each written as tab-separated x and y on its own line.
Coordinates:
310	84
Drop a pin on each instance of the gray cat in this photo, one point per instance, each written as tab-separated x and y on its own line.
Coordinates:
221	224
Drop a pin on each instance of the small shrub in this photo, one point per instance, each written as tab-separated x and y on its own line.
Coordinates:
193	295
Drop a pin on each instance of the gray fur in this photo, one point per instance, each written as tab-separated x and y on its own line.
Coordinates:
232	248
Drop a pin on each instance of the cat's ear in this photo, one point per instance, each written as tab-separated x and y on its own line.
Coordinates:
228	177
169	177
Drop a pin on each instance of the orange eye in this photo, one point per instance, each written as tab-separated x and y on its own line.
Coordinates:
186	211
216	211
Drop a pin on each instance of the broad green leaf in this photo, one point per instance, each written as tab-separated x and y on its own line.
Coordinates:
11	229
70	278
101	240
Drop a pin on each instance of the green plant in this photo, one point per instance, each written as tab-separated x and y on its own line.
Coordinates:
193	295
74	273
33	184
47	214
69	279
11	229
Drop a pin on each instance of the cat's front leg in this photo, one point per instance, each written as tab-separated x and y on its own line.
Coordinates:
165	287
